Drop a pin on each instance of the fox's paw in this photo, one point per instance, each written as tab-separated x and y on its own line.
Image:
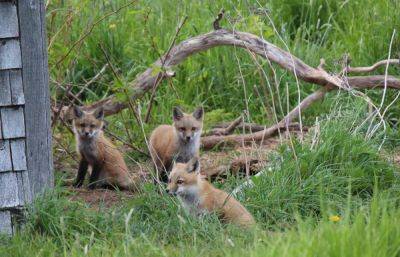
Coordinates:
92	186
77	184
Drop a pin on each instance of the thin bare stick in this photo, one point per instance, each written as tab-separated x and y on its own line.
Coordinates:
373	67
92	80
89	31
126	143
153	93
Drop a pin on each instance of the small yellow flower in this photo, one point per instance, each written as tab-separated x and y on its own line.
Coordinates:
112	26
334	218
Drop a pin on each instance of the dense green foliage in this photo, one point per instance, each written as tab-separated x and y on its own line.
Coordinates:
339	169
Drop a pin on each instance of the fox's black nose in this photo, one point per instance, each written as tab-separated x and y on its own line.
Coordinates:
188	139
86	133
167	190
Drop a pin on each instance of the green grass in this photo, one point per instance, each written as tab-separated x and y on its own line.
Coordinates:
136	36
338	169
342	174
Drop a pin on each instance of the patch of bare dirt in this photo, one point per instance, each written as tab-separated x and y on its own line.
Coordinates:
100	197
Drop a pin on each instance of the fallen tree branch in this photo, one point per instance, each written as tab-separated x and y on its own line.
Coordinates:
253	127
236	167
209	142
222	37
223	131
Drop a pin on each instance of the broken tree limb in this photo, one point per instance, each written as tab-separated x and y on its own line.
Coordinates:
373	67
223	131
209	142
145	81
253	127
236	167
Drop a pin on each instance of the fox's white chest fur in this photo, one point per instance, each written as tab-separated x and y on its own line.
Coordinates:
88	149
187	150
191	200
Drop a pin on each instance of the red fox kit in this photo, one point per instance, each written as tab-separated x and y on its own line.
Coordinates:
198	196
179	141
108	165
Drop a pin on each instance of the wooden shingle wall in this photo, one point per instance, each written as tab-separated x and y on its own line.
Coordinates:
25	145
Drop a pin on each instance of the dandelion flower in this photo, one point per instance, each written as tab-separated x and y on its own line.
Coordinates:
334	218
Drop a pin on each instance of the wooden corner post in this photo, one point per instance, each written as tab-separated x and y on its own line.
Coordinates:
26	166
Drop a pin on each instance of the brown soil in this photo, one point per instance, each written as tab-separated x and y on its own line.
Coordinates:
100	197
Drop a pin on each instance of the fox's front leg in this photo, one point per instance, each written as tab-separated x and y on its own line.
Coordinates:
80	177
94	177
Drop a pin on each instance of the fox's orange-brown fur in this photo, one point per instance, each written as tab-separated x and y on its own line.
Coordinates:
178	141
199	196
108	165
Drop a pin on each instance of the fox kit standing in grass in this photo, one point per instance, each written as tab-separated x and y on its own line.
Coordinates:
179	141
198	196
108	165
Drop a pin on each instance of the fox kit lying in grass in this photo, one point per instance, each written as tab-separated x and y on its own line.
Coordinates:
179	141
198	196
108	165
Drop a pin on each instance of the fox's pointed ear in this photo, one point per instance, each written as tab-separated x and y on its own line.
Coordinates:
78	113
202	174
177	113
99	113
193	165
198	113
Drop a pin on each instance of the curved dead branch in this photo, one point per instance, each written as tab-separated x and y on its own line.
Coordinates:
222	37
151	77
373	67
253	127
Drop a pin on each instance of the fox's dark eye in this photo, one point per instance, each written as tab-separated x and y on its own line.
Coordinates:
92	126
82	124
182	129
180	181
194	129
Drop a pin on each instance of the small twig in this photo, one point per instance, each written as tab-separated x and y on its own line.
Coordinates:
57	114
216	24
168	73
126	143
117	76
321	64
65	149
89	31
92	80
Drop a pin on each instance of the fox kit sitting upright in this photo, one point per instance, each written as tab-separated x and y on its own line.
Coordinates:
198	196
108	165
179	141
